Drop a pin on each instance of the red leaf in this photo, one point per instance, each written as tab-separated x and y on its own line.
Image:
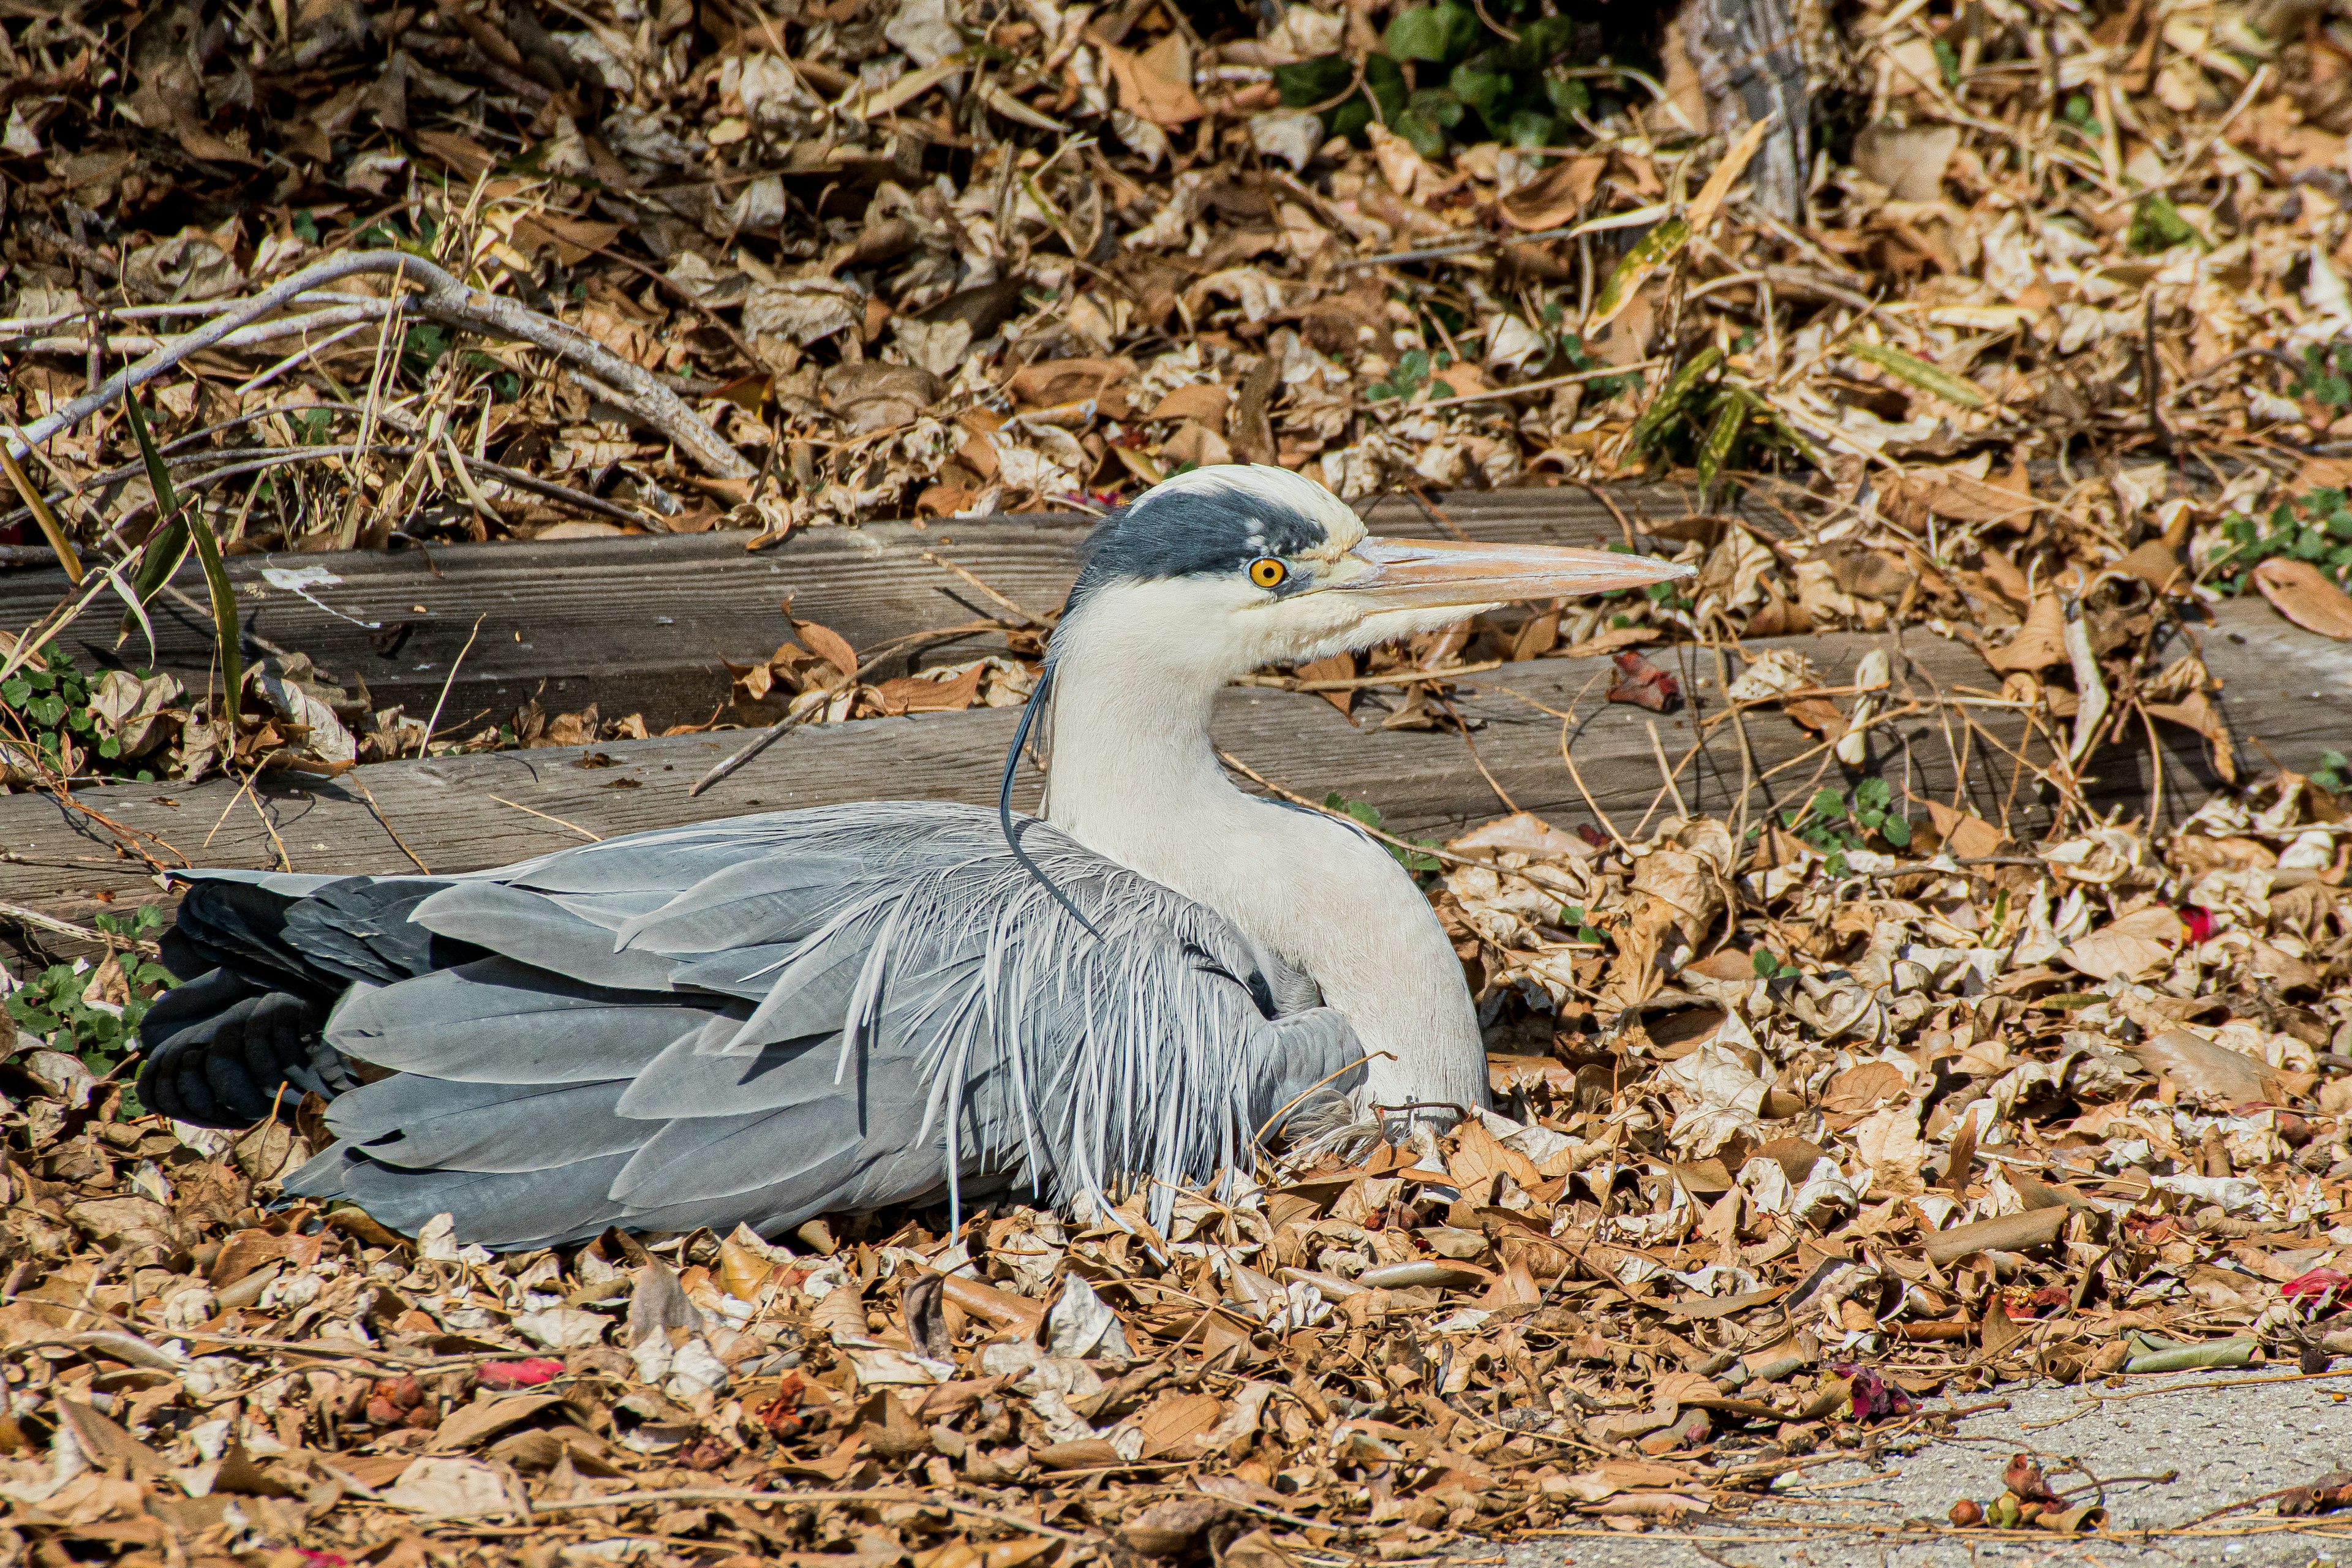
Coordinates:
2025	1477
519	1373
2320	1287
1644	684
2200	922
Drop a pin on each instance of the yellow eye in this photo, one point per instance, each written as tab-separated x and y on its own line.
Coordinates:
1269	573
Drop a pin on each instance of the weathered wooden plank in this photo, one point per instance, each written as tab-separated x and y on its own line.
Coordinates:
643	624
460	813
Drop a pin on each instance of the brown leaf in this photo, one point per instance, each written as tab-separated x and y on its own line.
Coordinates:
103	1441
1253	431
2039	644
1818	714
828	645
1203	402
486	1418
1555	197
1478	1154
2205	1073
1964	497
1965	835
2305	595
573	240
1338	667
1644	684
912	694
242	1253
1170	1529
1614	641
2130	946
1156	85
1051	383
1859	1088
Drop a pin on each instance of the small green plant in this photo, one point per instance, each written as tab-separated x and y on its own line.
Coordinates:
422	348
2326	380
1571	917
1770	966
505	384
2157	226
2334	773
1873	810
1367	813
1410	374
1708	418
1948	61
100	1032
1833	823
1476	82
1600	388
2316	528
48	709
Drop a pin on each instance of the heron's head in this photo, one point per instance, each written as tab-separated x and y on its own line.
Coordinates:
1242	565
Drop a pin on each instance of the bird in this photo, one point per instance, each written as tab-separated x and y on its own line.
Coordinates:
765	1019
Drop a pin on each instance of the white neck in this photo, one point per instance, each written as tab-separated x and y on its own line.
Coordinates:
1134	778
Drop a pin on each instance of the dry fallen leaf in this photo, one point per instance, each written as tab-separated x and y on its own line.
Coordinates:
2305	595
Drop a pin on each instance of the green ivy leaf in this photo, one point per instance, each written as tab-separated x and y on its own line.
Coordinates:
1436	33
1531	128
1481	89
1312	82
1426	138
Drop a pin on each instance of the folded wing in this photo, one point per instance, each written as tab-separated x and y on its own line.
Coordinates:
756	1020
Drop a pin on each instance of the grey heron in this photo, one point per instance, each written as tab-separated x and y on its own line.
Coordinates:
774	1016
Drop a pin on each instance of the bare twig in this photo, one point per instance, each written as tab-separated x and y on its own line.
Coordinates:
450	302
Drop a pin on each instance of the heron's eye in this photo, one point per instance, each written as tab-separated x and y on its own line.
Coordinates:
1269	573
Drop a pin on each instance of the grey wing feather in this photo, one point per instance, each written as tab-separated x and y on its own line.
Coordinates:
901	1012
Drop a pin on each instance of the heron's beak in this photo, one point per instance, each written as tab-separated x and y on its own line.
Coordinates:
1424	574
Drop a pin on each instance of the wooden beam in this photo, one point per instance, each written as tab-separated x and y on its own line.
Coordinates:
646	623
462	812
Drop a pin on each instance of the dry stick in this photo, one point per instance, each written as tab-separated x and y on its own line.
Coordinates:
1367	682
1658	750
1739	728
344	316
1615	511
222	820
1478	761
284	861
385	823
2155	762
544	817
423	745
450	302
1028	617
55	927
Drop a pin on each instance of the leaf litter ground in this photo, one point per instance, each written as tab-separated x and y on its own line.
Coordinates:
1811	1131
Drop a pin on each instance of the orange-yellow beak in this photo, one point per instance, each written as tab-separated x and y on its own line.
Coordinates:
1427	574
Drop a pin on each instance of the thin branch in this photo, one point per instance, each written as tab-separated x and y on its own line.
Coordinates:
452	304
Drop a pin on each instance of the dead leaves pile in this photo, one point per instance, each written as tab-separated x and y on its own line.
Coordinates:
1794	1149
941	256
